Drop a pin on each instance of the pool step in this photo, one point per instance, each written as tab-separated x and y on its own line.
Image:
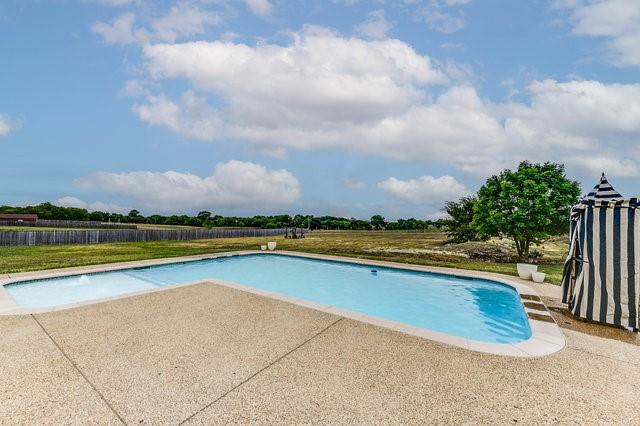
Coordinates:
535	308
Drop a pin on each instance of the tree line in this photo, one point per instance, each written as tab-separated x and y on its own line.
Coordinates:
528	205
209	220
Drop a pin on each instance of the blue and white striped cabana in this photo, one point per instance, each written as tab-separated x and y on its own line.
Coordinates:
601	280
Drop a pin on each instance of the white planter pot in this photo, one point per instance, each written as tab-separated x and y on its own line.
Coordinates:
271	245
263	247
538	277
525	270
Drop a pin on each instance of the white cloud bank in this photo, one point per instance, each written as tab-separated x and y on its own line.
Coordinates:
233	185
326	91
617	21
426	190
70	201
8	124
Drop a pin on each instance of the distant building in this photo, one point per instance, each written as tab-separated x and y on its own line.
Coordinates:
19	217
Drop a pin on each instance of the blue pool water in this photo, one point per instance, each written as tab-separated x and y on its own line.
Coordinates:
473	308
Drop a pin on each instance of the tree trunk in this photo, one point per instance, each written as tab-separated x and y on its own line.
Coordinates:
522	246
518	247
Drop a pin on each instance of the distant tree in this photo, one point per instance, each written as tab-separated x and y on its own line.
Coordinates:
460	227
527	205
316	223
99	216
204	216
378	222
116	217
156	219
134	216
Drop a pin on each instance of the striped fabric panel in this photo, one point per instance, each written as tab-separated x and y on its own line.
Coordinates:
586	276
583	265
570	263
633	283
607	249
616	260
576	292
593	251
607	284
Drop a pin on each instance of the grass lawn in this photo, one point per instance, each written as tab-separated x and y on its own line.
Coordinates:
419	248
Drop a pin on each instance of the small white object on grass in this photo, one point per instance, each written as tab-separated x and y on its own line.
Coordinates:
525	270
271	245
538	277
263	247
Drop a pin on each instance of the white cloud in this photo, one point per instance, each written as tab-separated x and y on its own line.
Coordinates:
427	190
441	20
316	73
135	89
376	27
183	20
8	124
192	117
69	201
354	184
617	21
441	15
115	2
233	185
326	91
121	30
589	125
313	90
259	7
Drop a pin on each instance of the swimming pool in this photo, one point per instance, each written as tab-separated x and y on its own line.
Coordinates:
472	308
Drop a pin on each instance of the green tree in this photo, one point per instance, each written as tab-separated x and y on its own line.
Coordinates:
378	222
528	205
460	225
204	215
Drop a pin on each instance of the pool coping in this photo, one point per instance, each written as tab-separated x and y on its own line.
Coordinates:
546	337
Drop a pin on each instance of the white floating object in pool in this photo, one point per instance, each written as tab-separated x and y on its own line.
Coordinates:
271	245
525	270
81	280
263	247
538	276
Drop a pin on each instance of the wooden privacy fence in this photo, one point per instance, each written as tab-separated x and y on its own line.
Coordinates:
44	223
97	236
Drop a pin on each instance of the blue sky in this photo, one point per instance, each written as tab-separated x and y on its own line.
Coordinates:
339	107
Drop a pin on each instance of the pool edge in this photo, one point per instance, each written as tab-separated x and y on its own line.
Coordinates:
546	337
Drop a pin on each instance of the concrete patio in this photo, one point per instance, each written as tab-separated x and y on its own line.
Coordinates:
208	354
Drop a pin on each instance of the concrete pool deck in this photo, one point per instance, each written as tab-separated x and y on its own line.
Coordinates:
209	354
546	337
